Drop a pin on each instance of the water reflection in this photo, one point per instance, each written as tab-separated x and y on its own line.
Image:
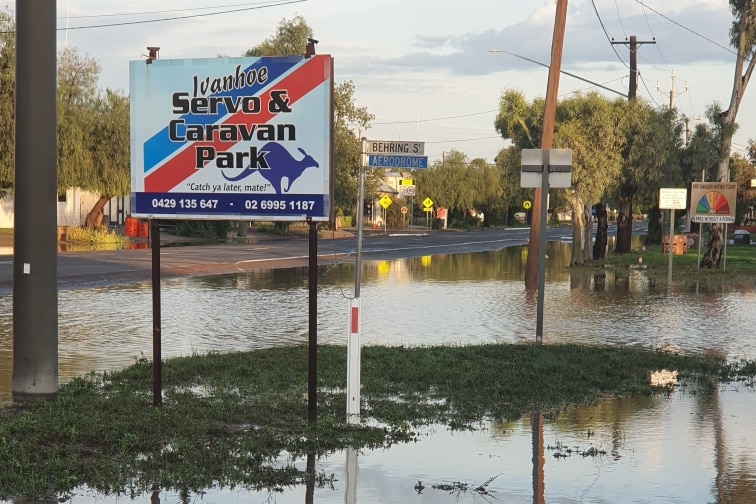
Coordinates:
453	299
690	445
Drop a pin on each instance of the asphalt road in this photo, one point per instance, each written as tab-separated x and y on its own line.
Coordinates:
81	269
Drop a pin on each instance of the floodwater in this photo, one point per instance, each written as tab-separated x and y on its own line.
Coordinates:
689	446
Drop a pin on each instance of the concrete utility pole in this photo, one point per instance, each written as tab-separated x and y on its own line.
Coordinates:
35	267
672	93
547	137
634	43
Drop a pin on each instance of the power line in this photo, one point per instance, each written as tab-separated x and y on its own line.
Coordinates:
616	4
437	118
610	39
176	18
690	30
562	71
165	11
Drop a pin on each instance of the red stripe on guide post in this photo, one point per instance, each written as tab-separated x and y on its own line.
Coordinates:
355	315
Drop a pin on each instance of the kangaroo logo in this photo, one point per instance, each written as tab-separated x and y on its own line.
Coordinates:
281	170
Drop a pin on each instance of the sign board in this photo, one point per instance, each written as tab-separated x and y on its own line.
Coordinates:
385	202
403	210
427	202
405	191
396	161
527	204
557	161
672	199
713	202
395	147
406	182
231	138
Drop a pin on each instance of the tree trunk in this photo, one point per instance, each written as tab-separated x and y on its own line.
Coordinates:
654	234
94	217
714	249
599	247
587	233
624	225
578	236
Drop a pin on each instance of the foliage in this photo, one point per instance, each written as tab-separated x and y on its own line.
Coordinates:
227	419
743	39
7	101
95	235
461	185
291	39
210	231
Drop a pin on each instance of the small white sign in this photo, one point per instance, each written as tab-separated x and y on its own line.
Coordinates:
672	198
397	147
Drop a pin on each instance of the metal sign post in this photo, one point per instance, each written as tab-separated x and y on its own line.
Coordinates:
670	199
543	168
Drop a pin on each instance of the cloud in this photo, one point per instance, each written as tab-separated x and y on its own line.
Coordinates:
681	41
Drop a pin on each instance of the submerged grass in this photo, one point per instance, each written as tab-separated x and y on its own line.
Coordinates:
737	266
231	420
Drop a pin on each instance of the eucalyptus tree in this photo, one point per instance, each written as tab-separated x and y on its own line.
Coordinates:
512	194
742	172
743	39
651	159
7	101
290	39
587	124
110	171
77	90
461	185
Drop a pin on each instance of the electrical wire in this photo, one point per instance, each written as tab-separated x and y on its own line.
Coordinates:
176	18
608	38
690	30
165	11
616	4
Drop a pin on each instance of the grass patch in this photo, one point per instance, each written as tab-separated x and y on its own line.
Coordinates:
226	417
739	266
98	235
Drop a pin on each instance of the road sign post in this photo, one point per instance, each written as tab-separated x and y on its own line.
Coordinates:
670	199
543	168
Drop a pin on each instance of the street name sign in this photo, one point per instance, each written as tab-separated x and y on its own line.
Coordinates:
397	161
395	147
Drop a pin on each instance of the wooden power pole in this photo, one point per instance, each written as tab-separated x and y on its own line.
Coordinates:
547	136
634	43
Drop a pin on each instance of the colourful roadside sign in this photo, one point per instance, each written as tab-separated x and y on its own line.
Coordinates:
231	138
713	202
427	202
385	202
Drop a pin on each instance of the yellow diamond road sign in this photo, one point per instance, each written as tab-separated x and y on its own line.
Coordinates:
427	202
385	202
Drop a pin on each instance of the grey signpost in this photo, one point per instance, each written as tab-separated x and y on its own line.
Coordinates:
544	168
671	199
373	154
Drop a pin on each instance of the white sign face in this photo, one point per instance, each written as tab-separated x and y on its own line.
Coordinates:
560	167
231	138
672	199
395	147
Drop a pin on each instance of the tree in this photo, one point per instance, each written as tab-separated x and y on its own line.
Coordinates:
110	175
743	39
587	125
291	39
651	153
7	101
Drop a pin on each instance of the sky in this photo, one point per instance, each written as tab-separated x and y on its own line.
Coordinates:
425	68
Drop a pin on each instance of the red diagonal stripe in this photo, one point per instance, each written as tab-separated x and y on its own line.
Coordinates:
182	166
